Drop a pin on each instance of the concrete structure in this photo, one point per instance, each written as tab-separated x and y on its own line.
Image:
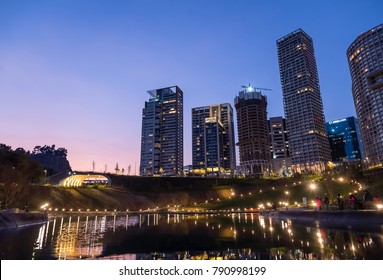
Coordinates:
213	143
365	59
253	132
308	143
345	140
162	133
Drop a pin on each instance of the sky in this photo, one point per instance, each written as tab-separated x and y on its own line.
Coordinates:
75	73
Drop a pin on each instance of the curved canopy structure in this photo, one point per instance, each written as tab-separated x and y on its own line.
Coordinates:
80	180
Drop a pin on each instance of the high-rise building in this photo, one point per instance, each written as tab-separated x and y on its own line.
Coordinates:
365	59
213	143
162	133
278	137
279	149
345	140
253	132
308	142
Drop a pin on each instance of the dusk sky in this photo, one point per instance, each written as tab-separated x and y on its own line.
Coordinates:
76	73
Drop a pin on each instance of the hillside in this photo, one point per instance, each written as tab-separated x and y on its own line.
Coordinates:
143	193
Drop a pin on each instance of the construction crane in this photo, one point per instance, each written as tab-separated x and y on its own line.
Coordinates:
250	87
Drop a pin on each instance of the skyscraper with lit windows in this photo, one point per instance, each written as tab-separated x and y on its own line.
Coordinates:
365	59
213	143
308	142
253	132
162	133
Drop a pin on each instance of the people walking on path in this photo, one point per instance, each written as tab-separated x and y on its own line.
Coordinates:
353	201
367	200
340	202
326	202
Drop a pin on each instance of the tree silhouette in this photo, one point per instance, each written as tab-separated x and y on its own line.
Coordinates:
50	150
16	172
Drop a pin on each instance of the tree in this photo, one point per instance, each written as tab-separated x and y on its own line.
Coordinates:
16	172
61	152
4	147
50	150
22	151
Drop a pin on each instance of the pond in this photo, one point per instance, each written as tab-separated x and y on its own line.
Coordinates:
185	236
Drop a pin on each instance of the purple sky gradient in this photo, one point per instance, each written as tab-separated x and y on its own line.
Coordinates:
75	73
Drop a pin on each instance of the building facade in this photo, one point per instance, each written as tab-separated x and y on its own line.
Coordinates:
162	133
365	59
278	137
308	142
345	140
253	132
279	149
213	143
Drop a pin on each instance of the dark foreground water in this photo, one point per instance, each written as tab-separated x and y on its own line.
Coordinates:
179	236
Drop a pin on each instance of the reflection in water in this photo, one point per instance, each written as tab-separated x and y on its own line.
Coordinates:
181	236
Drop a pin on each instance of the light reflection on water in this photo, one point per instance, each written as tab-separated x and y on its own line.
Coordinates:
181	236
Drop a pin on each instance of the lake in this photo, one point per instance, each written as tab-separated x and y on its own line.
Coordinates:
185	236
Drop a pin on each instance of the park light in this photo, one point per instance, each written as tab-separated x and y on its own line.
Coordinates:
313	186
44	206
286	192
341	179
379	206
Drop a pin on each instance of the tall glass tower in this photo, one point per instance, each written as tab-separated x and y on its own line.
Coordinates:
345	140
365	59
308	142
213	142
162	133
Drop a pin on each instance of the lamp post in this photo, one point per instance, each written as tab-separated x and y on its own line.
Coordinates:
286	199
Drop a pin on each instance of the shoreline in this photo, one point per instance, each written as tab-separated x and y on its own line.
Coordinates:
346	219
12	218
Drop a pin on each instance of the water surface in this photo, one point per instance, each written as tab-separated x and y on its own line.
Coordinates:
182	236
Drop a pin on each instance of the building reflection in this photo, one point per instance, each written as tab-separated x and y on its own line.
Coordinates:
198	236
